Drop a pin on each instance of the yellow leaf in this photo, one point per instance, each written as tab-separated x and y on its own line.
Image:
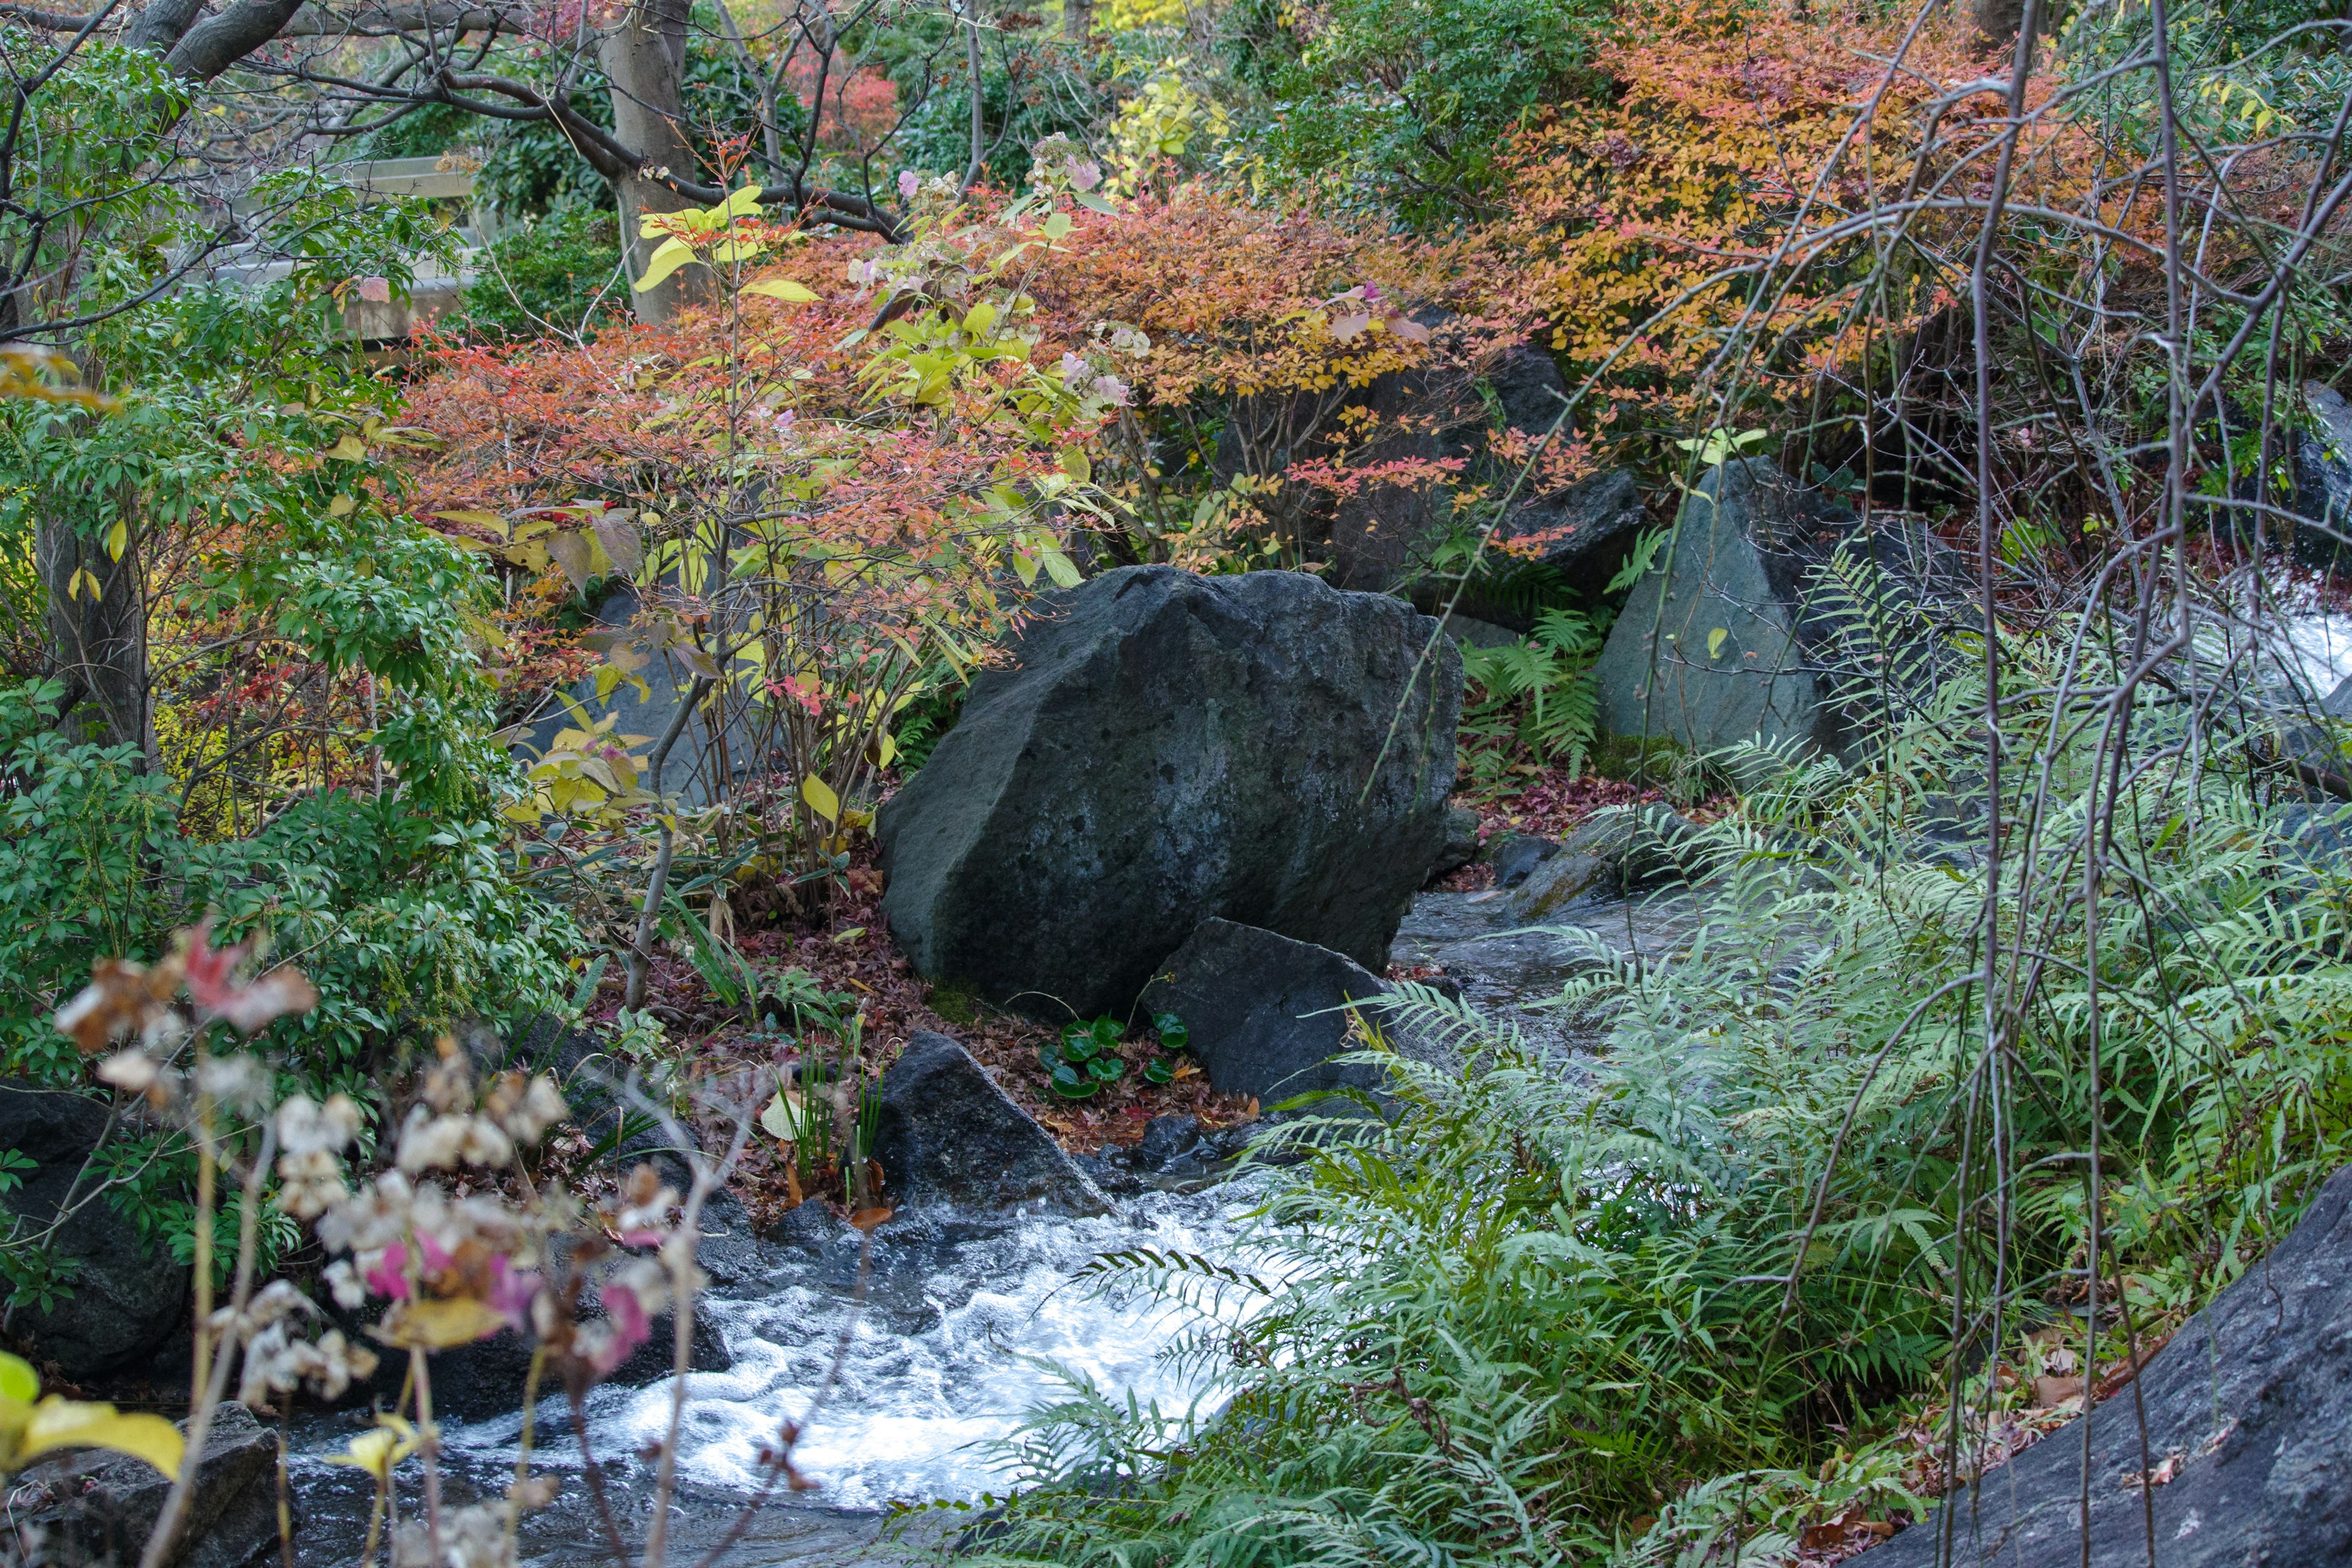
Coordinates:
742	203
1077	464
1715	640
118	539
69	1424
378	1451
18	1381
1062	569
438	1324
341	506
667	258
1057	225
477	519
821	798
350	450
784	288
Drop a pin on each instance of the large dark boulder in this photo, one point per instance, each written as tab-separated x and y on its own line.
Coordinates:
946	1134
1761	601
125	1297
2246	1414
1166	748
1265	1012
92	1508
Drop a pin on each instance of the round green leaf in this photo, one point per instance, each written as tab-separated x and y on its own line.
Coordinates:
1079	1048
1106	1069
1173	1035
1107	1032
1072	1084
1158	1070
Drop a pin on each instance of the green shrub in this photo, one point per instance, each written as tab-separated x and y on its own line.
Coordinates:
562	272
402	919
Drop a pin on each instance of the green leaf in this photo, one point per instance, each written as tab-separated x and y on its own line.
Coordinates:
1159	1069
1106	1069
1078	1047
1057	225
667	258
1108	1031
784	288
1715	640
1173	1035
1072	1084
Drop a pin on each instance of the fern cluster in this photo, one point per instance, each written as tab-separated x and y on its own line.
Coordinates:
1635	1307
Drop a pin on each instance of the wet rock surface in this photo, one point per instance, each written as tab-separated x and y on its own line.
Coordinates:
947	1135
1167	748
2245	1412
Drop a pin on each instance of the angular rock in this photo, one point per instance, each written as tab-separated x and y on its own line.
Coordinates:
1263	1012
1461	846
1168	747
2246	1411
1469	633
1585	530
946	1134
1613	850
127	1297
1734	632
93	1508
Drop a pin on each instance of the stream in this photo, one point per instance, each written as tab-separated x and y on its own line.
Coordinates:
904	1382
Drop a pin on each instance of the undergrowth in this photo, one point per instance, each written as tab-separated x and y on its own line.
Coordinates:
1691	1292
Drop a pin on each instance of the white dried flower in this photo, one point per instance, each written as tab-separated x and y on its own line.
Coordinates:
430	1142
310	1183
133	1072
343	1283
305	1127
238	1081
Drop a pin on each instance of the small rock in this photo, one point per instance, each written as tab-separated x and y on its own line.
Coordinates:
101	1509
1468	633
947	1134
1166	1139
1263	1012
1516	855
128	1297
2323	479
1613	849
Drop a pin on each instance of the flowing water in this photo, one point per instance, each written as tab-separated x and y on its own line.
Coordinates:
906	1367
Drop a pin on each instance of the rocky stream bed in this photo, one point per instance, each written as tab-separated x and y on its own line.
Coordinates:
905	1381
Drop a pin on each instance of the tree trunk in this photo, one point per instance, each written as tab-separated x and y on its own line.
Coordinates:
644	58
1077	21
98	639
